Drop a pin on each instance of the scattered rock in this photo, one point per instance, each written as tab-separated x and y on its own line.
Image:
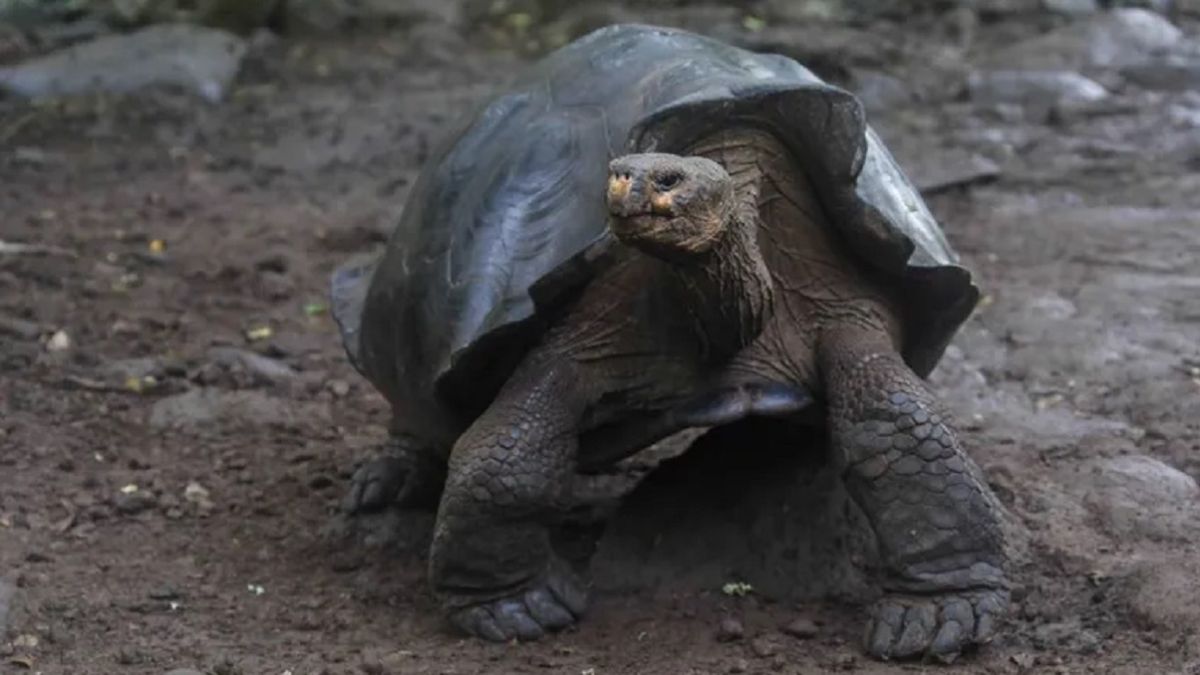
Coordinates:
939	169
1164	594
763	648
239	16
1110	39
19	328
58	342
1137	496
329	16
320	482
197	494
199	408
183	671
739	665
266	368
8	596
730	629
295	344
133	503
339	388
275	287
1032	87
1166	74
202	60
164	593
880	92
809	11
1072	7
803	628
137	369
1068	635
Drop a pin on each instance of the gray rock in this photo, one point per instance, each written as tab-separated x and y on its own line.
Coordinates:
1110	39
19	328
763	648
944	168
802	628
1165	74
1165	593
879	92
327	16
1138	497
202	60
1001	6
1033	87
1072	7
1066	635
138	368
199	408
8	595
730	629
183	671
271	370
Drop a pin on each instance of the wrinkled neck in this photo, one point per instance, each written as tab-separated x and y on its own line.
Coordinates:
728	290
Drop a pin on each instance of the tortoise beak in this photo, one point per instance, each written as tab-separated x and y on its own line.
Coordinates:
619	185
627	195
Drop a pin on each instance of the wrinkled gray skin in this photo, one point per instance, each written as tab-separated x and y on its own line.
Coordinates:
741	280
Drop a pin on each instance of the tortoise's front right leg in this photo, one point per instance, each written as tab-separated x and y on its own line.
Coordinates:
491	562
935	518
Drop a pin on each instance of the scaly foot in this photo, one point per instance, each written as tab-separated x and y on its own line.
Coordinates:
551	604
394	475
937	626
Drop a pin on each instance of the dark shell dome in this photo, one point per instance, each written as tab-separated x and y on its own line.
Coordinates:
508	217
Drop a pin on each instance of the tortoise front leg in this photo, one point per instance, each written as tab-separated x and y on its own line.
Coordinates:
491	562
936	520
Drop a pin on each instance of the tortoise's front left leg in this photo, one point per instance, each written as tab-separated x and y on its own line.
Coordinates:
491	562
935	518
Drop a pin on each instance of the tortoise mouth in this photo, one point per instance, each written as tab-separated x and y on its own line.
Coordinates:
665	237
640	227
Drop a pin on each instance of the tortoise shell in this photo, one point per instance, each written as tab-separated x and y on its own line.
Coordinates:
507	218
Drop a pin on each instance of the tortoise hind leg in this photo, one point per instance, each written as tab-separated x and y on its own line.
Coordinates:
409	471
491	562
935	518
410	468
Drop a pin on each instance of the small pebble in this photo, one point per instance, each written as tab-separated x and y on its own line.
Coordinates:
762	647
19	328
802	628
59	342
730	629
134	502
183	671
164	593
739	666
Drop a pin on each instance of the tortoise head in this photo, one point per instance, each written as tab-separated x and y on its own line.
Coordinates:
671	207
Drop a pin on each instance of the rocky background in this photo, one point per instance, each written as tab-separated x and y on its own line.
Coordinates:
177	420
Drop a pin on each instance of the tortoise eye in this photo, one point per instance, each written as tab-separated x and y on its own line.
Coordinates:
668	181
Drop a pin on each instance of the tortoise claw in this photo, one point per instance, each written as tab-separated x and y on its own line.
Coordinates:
939	627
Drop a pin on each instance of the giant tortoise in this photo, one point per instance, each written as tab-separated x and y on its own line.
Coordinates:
646	231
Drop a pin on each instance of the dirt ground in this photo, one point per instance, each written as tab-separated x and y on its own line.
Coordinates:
171	463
